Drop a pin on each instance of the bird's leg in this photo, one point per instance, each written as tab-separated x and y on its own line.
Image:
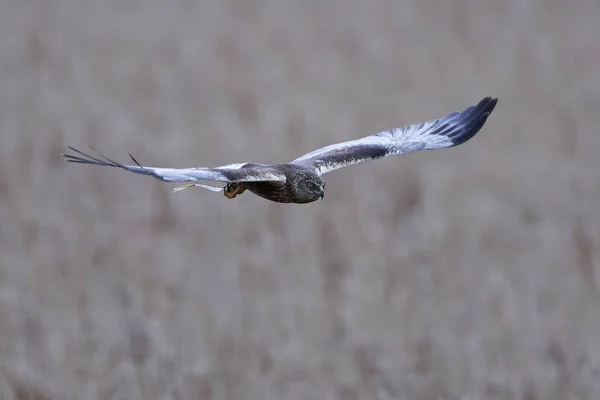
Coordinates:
189	185
232	189
182	187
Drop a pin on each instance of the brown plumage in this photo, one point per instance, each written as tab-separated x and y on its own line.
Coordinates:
300	181
301	186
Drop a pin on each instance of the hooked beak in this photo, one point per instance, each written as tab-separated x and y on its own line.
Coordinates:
322	193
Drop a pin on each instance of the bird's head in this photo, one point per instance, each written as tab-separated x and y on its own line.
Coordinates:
308	186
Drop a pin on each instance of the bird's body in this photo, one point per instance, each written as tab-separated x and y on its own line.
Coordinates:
300	181
290	191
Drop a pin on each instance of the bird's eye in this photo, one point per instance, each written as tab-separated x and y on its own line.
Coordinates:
310	184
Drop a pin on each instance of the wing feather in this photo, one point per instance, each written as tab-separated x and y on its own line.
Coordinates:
242	172
451	130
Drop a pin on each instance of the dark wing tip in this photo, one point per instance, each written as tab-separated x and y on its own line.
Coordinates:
473	118
136	161
84	158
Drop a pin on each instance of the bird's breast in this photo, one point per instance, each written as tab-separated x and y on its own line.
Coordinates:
274	191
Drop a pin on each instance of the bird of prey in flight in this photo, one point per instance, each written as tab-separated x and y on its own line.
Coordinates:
300	181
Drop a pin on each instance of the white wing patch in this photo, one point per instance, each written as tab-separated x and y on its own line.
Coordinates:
232	166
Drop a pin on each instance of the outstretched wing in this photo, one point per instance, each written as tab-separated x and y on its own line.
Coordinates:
451	130
244	172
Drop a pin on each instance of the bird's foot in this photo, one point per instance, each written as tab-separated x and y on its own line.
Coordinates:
232	189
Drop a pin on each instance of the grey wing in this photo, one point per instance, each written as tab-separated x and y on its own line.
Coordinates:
451	130
243	172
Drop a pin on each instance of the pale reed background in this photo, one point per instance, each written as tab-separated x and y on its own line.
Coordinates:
469	273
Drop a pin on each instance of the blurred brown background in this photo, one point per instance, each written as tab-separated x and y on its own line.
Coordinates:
469	273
